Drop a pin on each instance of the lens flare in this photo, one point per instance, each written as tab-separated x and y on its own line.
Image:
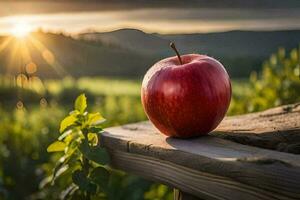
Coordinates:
21	29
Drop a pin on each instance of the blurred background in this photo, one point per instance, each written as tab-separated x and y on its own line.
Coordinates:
51	51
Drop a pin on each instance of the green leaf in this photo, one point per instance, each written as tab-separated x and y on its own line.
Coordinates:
59	168
45	181
115	182
95	118
66	122
72	147
56	146
69	191
74	113
100	176
65	134
95	129
80	103
60	172
96	154
93	139
80	179
59	164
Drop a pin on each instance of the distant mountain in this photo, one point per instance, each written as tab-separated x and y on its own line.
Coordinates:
132	39
224	44
235	44
240	51
130	52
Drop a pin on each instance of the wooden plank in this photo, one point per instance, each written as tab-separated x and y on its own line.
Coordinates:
201	184
209	167
277	129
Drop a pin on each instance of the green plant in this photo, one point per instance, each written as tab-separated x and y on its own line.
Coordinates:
279	81
82	169
24	133
277	84
82	158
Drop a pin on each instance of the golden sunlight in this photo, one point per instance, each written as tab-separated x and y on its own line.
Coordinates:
21	29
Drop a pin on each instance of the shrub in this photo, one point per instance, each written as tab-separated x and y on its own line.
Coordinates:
277	84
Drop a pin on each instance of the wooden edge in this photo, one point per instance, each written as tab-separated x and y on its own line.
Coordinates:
200	184
211	167
265	170
276	128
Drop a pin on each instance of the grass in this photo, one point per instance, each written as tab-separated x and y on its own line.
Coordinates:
97	86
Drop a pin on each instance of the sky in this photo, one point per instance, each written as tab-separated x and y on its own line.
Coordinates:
69	18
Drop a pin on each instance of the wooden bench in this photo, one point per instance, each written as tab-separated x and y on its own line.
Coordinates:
253	156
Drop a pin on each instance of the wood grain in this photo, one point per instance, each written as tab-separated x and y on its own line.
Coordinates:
200	184
277	129
210	167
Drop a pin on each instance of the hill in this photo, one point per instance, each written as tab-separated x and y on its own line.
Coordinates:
131	39
58	55
129	52
240	51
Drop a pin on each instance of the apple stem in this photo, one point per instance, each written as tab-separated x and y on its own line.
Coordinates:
172	45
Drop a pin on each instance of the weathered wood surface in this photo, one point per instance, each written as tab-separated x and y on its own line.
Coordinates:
210	167
277	128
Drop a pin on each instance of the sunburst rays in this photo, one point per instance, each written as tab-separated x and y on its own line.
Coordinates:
5	43
21	29
25	58
48	55
20	60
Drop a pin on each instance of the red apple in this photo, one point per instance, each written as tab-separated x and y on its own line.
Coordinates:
186	96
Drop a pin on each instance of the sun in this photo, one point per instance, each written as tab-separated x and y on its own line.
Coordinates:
21	29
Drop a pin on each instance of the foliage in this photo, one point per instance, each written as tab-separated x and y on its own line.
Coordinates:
279	81
28	128
81	157
24	133
277	84
87	163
